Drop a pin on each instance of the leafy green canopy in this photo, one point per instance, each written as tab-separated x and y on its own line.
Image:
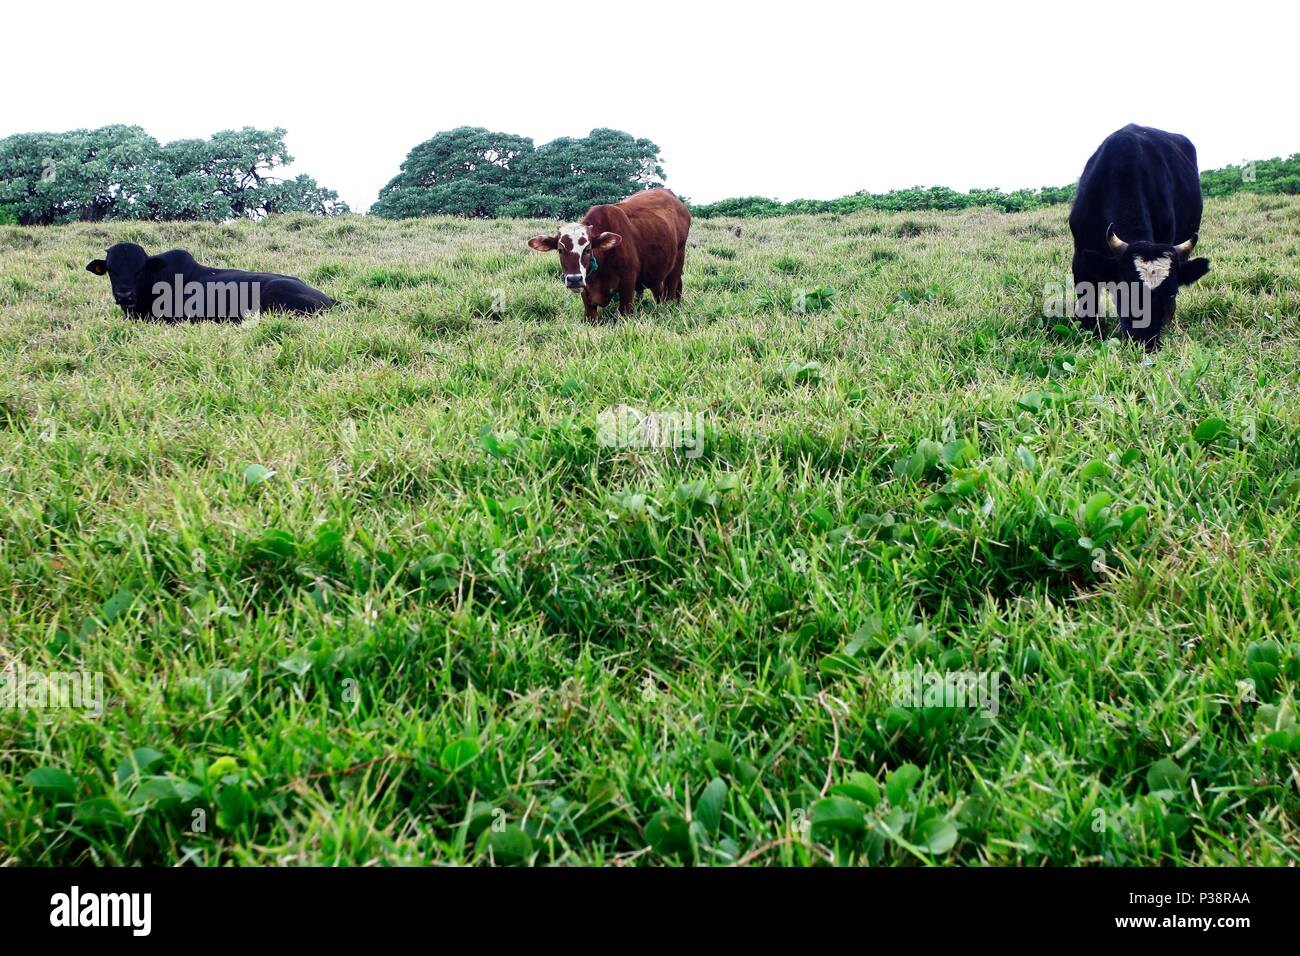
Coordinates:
477	173
121	172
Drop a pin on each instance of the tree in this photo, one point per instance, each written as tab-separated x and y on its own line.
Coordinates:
121	172
468	171
300	194
47	178
473	172
606	166
239	165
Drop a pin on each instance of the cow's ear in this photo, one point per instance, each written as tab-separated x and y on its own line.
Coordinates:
97	266
606	241
1192	270
543	243
154	263
1104	267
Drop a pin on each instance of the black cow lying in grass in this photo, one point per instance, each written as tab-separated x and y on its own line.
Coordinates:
174	288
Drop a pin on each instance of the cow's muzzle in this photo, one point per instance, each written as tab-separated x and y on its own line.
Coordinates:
575	282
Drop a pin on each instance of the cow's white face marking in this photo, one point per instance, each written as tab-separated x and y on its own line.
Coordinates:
577	234
579	242
1153	272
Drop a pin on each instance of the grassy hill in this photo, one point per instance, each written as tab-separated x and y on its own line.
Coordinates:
377	587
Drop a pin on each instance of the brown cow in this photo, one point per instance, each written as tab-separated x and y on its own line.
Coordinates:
638	244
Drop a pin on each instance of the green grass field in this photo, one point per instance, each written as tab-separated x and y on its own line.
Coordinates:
444	620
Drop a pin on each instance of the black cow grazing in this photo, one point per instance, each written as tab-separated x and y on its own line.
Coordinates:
1135	221
173	287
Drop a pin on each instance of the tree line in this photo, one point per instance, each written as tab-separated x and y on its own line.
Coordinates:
1264	176
120	172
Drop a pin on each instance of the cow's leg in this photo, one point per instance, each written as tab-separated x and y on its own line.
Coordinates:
627	297
674	284
1088	290
590	311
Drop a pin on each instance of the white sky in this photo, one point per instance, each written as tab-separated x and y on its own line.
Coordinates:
802	99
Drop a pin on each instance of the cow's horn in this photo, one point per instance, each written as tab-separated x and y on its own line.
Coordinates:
1185	248
1116	243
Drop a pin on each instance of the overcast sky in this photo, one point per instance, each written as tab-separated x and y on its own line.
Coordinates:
794	99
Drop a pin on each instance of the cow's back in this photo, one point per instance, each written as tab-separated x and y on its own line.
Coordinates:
274	290
1145	182
659	211
654	225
